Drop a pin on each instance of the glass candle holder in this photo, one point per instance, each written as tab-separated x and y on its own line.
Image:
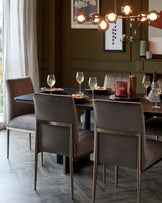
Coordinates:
121	89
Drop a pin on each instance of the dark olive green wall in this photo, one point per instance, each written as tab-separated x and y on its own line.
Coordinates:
65	51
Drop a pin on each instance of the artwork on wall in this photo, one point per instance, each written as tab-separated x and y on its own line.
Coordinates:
88	7
113	36
155	29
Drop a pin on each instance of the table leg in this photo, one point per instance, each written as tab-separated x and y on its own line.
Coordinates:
87	119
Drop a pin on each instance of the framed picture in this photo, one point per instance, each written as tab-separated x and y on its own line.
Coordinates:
113	36
88	7
155	29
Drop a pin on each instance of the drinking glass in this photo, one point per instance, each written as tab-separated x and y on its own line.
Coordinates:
92	84
51	81
156	90
146	83
79	79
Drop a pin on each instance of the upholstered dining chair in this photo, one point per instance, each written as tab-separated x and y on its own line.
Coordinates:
154	124
21	116
109	82
57	130
121	140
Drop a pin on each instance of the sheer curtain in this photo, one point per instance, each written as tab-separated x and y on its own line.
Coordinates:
20	43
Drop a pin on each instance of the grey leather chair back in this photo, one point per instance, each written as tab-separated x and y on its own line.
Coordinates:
111	78
119	116
56	108
15	88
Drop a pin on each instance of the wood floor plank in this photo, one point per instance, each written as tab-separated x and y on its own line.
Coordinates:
17	179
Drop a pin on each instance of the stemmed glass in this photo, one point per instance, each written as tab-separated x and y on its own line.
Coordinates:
92	84
51	81
156	90
146	83
79	79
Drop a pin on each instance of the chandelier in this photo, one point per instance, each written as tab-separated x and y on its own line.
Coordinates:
112	16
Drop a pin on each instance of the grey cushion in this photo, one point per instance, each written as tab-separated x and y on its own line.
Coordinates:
86	142
26	122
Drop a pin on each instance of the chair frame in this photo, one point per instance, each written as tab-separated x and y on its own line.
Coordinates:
19	130
57	124
119	133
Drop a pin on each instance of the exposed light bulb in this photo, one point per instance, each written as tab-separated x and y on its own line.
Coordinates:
127	9
111	17
80	18
142	17
103	25
153	16
96	18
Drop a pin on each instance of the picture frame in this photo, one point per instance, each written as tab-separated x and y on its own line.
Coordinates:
113	37
89	8
155	29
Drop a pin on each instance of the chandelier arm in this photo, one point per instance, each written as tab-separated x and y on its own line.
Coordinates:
128	17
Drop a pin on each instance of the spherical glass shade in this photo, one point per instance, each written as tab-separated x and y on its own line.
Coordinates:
153	16
111	17
103	25
142	17
80	18
96	18
127	9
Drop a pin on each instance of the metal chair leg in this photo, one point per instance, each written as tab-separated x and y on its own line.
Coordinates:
35	170
42	158
64	163
94	181
30	141
104	173
116	176
95	168
8	137
138	185
71	175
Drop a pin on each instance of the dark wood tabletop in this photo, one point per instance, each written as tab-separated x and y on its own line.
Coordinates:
147	106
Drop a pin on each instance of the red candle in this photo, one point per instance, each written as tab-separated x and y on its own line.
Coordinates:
121	89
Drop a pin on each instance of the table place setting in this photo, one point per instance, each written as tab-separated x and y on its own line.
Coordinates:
123	92
80	98
99	90
52	89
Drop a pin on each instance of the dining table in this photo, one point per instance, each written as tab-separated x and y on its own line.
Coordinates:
87	105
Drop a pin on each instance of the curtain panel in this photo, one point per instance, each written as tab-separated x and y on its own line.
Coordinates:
20	43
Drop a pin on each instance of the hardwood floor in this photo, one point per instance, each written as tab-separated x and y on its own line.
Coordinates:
17	179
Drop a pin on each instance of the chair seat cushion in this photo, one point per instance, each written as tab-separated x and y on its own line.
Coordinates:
86	143
26	122
153	152
154	126
82	117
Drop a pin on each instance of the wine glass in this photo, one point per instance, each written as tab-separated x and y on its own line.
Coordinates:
92	84
79	79
146	83
51	81
156	90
